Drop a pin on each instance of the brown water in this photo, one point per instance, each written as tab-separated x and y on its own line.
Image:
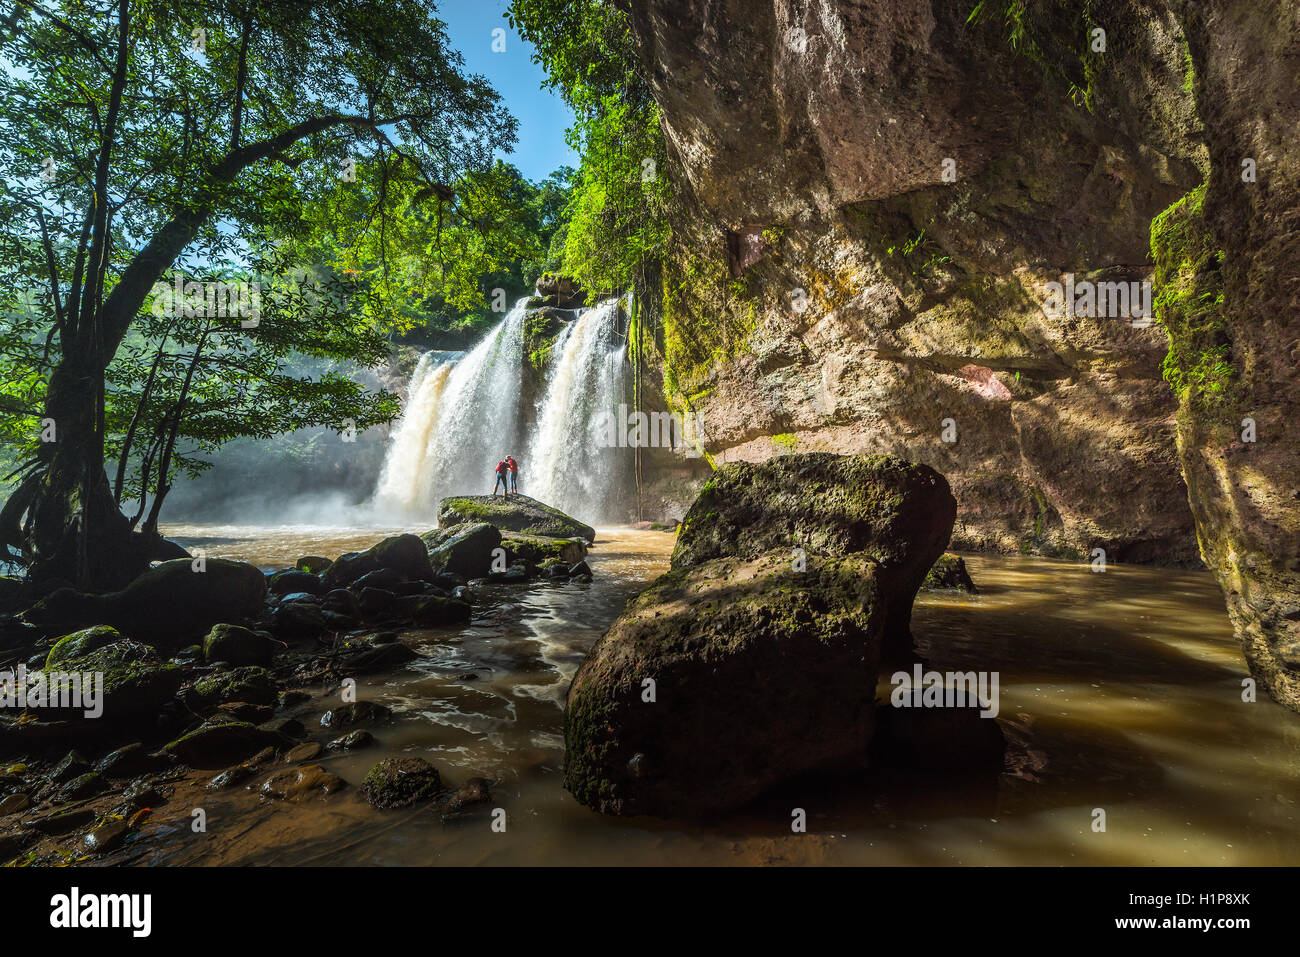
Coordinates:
1119	691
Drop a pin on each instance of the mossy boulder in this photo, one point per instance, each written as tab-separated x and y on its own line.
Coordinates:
463	549
896	512
136	682
171	605
949	573
404	554
430	610
236	645
81	643
401	782
249	683
222	741
755	658
539	549
759	672
519	513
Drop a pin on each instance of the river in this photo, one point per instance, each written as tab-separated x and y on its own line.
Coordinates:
1120	691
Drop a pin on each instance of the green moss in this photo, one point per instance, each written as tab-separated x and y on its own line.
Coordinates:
1188	302
787	441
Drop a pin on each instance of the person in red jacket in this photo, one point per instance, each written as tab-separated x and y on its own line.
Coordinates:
503	472
514	474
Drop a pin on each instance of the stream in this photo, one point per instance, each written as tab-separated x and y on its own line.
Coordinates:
1120	691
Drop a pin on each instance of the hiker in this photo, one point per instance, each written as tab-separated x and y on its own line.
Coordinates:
502	470
514	474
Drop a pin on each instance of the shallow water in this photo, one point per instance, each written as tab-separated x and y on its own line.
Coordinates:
1119	691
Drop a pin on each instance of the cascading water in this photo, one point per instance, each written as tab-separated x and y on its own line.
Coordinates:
568	464
462	417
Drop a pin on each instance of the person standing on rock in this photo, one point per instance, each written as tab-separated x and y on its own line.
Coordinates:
503	471
514	474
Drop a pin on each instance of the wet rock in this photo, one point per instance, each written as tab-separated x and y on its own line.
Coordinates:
172	604
84	786
418	588
71	766
313	563
401	782
352	741
764	662
81	643
61	822
231	777
237	645
341	601
949	572
472	794
378	658
580	570
431	610
289	727
13	803
464	593
449	580
289	699
375	601
297	619
295	580
386	637
243	711
143	793
15	842
463	549
336	622
379	578
404	554
517	514
537	549
514	575
136	684
248	683
105	837
296	784
218	744
354	713
307	751
130	761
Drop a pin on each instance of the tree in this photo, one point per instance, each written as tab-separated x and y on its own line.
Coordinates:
137	135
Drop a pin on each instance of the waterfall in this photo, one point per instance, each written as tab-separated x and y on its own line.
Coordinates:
566	464
462	417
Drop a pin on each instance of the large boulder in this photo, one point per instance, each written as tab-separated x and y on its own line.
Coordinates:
519	513
171	605
136	683
755	658
237	645
897	512
404	554
464	549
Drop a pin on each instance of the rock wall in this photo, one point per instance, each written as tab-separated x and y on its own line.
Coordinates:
1229	259
832	289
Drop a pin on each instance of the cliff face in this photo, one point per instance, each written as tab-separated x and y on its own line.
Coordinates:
1229	263
875	196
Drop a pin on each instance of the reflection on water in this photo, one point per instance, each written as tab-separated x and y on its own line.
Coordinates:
1119	691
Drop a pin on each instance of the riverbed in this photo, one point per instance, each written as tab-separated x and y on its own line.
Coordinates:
1120	692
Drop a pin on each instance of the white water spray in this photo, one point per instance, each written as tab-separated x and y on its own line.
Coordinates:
462	417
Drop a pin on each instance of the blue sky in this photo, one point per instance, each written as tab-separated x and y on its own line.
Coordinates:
543	116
